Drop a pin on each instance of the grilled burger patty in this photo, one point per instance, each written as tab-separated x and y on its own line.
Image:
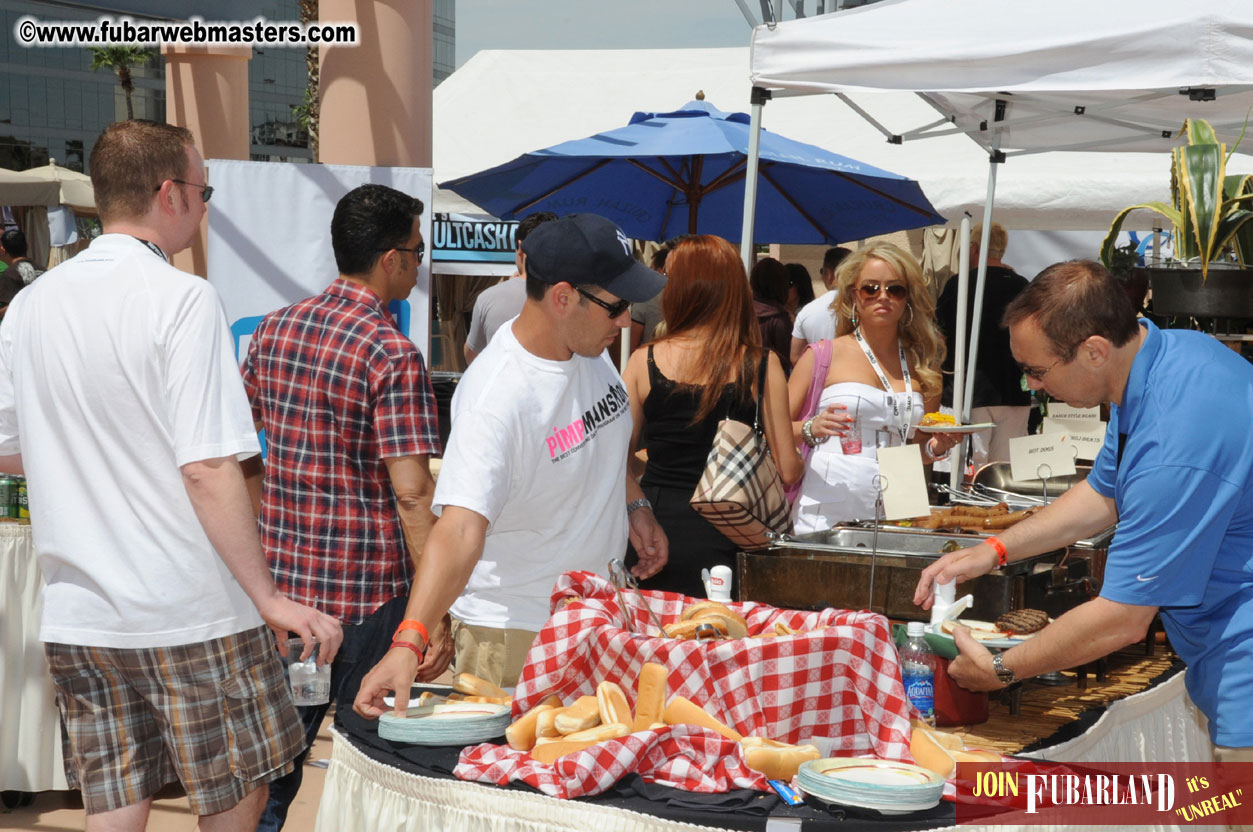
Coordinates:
1023	621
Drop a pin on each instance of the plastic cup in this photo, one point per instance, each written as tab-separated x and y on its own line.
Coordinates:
850	441
310	682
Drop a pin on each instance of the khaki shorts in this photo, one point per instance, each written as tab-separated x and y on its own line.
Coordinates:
215	715
490	653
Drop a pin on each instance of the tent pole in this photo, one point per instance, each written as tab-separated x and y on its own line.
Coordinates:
758	99
976	319
957	463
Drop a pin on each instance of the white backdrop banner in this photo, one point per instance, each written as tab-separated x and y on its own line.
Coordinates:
270	238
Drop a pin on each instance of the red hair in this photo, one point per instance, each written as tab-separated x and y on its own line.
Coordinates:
707	295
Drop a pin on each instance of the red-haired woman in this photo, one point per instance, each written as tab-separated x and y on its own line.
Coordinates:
703	370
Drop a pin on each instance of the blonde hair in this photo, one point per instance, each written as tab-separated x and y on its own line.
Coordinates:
924	346
998	240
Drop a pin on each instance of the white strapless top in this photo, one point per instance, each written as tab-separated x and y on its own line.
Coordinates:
839	487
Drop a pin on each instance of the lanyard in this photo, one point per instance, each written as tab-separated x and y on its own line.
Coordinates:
900	416
153	247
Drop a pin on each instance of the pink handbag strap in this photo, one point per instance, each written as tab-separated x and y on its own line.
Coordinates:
822	362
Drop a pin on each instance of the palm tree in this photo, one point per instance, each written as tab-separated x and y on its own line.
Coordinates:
309	110
120	59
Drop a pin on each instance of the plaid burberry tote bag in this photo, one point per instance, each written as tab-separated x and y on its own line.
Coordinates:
740	491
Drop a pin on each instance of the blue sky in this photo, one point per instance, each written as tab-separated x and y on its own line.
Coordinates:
593	24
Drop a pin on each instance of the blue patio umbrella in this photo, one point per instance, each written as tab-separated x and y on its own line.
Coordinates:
683	172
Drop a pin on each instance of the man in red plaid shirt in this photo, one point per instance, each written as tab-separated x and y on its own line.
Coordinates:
350	422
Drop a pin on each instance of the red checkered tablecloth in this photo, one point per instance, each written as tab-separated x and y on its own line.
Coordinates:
839	679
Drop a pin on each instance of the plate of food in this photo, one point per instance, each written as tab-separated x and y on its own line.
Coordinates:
1014	627
951	427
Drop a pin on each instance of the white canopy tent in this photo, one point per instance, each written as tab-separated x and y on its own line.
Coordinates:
503	103
1019	78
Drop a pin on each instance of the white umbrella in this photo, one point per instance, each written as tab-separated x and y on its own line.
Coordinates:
75	188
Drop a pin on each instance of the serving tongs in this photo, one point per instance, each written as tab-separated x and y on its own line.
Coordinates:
622	579
1011	497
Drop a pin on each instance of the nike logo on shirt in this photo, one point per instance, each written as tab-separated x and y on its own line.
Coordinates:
1145	580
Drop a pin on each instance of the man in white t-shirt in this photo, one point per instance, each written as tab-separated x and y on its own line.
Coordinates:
503	301
816	320
534	481
121	401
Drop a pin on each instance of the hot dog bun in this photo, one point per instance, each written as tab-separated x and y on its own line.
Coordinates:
929	753
549	752
612	704
472	685
694	610
681	711
776	760
521	734
600	733
583	714
650	695
687	629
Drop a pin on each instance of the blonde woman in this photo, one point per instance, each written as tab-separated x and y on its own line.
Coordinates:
884	374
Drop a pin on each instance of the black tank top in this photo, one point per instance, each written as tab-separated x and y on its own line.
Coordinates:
678	449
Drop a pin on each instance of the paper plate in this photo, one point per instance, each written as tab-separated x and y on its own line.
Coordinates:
882	785
446	723
984	632
974	428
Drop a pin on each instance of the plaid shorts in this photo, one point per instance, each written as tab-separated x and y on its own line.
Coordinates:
215	715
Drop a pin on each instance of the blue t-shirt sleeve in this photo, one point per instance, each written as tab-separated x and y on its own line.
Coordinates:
1105	466
1171	523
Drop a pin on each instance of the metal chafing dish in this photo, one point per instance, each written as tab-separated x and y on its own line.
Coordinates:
995	477
832	568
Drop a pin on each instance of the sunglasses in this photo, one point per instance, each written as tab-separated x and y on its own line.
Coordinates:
418	251
614	309
896	291
206	191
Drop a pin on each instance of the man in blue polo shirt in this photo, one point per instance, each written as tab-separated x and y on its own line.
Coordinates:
1176	474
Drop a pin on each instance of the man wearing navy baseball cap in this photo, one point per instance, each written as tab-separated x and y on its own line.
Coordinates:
534	480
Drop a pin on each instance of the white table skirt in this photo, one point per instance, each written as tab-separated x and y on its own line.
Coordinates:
363	795
30	728
360	794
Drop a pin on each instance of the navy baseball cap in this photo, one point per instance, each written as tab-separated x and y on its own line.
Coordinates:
582	249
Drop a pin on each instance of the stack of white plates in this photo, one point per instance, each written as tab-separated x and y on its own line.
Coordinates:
887	787
446	723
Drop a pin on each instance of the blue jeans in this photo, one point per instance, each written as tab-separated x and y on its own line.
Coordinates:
364	644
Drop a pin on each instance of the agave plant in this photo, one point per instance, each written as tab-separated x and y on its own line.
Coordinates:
1209	209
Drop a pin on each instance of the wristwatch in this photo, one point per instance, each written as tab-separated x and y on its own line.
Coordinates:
1003	673
642	502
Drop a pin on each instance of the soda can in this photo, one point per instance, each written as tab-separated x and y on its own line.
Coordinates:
23	503
8	499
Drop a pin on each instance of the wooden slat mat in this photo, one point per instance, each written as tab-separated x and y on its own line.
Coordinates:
1046	709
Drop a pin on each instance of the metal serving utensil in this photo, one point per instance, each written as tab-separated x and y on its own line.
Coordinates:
621	578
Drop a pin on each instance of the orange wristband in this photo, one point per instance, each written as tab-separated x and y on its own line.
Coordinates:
1002	556
412	624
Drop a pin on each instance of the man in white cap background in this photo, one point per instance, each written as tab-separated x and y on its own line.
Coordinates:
534	481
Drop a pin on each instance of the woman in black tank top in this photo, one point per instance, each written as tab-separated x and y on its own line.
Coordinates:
702	371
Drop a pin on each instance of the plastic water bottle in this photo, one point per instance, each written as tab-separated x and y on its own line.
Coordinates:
918	671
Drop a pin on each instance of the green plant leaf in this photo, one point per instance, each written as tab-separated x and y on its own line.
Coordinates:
1201	174
1235	184
1107	245
1200	132
1184	237
1232	224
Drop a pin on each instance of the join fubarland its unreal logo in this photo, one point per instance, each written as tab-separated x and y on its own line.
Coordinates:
1026	792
